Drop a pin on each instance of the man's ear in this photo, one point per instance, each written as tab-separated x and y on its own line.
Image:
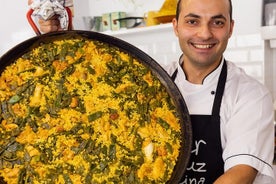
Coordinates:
175	26
232	23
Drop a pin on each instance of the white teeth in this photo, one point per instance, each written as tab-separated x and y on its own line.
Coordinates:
202	46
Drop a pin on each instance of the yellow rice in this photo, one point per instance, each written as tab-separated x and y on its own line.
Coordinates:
80	111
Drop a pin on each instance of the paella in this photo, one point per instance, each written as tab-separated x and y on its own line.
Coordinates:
82	111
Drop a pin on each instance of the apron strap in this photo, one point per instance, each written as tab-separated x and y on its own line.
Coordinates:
174	74
220	90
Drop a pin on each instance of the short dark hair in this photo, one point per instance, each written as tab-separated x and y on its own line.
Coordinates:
179	6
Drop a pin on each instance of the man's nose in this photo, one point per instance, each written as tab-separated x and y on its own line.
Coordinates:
205	32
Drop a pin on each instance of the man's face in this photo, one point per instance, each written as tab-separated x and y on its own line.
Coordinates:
203	29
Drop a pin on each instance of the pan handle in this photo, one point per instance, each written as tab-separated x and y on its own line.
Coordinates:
34	26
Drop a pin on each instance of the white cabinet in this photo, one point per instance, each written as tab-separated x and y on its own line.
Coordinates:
268	32
269	35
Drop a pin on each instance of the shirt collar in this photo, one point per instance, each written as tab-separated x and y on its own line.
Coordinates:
210	77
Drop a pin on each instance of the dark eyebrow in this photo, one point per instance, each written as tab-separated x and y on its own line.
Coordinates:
192	15
220	16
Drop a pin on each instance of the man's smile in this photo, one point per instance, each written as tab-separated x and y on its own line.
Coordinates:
203	46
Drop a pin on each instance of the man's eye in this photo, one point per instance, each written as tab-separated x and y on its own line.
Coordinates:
218	23
192	22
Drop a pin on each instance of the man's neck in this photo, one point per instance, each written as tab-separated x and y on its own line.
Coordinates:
197	73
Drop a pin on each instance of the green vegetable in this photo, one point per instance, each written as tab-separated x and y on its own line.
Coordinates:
95	116
14	99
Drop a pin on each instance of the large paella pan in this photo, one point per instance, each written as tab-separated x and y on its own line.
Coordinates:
84	107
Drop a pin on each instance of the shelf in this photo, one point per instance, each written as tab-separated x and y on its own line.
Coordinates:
160	27
269	33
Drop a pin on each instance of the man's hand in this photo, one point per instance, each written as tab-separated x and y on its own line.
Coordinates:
50	25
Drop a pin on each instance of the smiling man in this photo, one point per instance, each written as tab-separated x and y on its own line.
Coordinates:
231	113
203	29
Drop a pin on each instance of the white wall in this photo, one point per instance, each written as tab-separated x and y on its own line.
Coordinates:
14	25
247	15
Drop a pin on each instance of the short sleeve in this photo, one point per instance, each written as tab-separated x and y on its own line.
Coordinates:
248	128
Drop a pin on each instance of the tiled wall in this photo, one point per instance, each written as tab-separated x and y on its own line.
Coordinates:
247	51
157	41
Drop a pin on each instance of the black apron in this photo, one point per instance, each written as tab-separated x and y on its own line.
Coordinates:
206	163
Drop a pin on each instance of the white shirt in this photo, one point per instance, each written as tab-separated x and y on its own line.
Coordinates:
247	128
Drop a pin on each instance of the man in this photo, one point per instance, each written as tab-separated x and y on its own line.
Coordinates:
231	113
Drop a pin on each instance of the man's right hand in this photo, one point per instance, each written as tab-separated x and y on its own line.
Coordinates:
50	25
